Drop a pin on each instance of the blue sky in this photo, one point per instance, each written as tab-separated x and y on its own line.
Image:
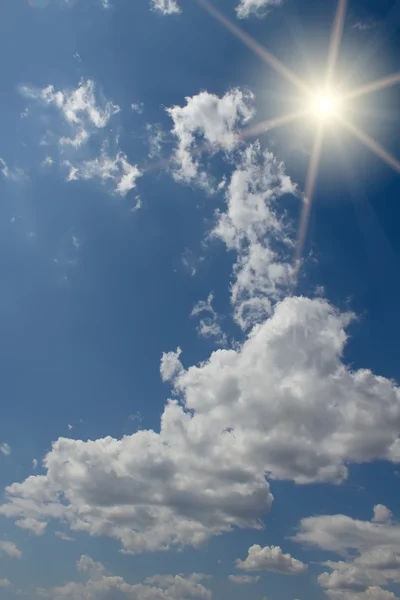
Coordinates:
186	412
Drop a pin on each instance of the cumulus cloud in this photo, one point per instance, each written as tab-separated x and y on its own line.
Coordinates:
99	584
5	449
32	525
251	227
10	548
340	533
165	7
206	123
209	323
377	544
4	583
257	8
282	404
270	558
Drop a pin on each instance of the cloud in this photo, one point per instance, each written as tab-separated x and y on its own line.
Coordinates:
99	584
243	579
36	527
4	168
79	107
63	536
165	7
115	170
382	514
340	533
252	227
209	325
257	8
11	174
4	583
282	404
210	123
11	549
5	449
270	558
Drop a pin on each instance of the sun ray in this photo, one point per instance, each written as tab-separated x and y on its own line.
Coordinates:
337	33
309	193
371	144
245	133
267	125
369	88
251	43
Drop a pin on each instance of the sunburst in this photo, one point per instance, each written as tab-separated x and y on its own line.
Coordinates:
324	105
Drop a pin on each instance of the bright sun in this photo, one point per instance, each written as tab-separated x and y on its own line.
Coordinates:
325	105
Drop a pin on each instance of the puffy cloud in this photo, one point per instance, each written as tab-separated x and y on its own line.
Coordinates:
209	323
165	7
243	579
377	543
4	583
36	527
371	593
382	514
210	123
251	227
282	404
5	449
115	170
99	584
258	8
340	533
270	558
11	549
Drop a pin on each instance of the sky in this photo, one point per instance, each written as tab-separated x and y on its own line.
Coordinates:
199	349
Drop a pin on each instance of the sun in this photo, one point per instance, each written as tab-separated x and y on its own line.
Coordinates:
325	105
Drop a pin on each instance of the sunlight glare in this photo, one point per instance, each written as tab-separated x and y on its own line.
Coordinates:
325	105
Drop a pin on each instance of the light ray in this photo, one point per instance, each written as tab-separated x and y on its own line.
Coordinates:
337	33
271	124
380	84
245	133
371	144
251	43
309	193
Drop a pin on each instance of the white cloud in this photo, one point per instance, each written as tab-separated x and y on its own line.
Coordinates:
210	123
34	463
282	404
243	579
340	533
99	584
63	536
115	170
209	324
371	593
156	138
11	549
36	527
258	8
137	108
4	168
12	174
165	7
382	514
270	558
252	228
5	449
4	583
79	106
